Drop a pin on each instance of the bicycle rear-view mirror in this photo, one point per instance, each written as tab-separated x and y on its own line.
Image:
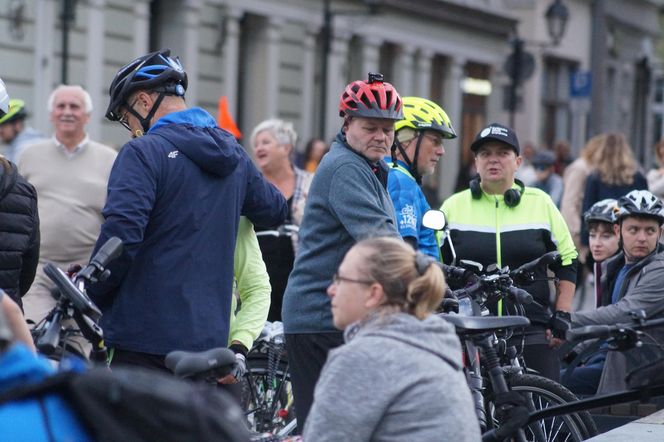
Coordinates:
434	219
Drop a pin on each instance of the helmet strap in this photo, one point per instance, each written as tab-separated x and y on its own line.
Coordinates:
393	151
145	122
412	165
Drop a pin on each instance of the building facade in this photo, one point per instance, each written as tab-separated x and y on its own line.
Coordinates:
274	58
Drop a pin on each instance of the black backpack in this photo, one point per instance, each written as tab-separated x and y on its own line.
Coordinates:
141	405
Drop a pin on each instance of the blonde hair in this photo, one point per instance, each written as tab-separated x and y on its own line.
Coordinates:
592	151
412	282
616	164
656	148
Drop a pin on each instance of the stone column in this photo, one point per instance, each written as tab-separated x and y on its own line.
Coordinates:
308	73
450	165
191	34
141	27
95	64
423	73
336	81
403	68
499	82
231	59
45	16
370	55
272	41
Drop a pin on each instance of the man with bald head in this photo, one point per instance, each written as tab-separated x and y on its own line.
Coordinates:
70	173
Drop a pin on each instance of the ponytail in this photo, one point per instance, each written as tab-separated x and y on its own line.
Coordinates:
411	281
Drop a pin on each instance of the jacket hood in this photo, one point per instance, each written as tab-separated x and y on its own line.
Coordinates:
195	134
20	366
433	334
8	176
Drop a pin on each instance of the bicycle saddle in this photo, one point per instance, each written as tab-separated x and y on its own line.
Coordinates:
185	364
482	324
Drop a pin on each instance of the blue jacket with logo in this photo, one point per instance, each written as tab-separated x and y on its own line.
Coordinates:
410	205
175	196
38	419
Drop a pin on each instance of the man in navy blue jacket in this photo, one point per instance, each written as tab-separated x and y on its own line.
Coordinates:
175	195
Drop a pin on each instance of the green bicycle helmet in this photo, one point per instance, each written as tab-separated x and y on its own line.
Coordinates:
16	111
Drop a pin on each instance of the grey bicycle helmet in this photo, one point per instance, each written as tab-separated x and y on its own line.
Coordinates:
604	211
640	203
4	99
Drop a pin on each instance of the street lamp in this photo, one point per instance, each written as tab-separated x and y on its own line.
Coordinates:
328	16
556	20
520	63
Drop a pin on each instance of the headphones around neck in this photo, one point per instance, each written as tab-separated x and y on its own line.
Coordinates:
512	196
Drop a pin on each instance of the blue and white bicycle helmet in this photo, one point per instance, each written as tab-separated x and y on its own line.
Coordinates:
156	71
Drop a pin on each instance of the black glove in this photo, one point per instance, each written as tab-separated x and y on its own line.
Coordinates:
559	323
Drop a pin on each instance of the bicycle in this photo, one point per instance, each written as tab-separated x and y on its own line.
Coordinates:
287	230
643	383
499	363
267	398
267	392
54	334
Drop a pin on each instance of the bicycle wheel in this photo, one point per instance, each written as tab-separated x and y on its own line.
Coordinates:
268	405
543	393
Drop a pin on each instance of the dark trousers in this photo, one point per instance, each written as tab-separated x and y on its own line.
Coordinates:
125	358
584	379
307	354
544	359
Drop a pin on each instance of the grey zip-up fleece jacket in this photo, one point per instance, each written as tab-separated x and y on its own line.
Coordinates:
347	203
397	378
642	290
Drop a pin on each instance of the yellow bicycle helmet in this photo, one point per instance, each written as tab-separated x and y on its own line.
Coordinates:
16	111
422	114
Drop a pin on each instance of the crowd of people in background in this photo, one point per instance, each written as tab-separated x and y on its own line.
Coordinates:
291	230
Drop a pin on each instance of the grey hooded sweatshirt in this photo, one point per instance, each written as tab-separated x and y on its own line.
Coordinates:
397	378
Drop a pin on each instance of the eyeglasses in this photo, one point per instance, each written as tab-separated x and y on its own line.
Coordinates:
437	141
336	279
124	120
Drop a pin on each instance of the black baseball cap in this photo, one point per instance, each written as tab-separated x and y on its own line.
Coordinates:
496	132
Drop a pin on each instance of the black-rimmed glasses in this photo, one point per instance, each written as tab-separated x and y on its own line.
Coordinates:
124	120
336	279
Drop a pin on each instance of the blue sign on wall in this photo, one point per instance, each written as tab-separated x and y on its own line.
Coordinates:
580	83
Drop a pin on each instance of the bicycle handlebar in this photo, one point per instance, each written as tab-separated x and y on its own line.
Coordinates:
520	296
67	289
588	332
106	253
523	274
607	331
48	342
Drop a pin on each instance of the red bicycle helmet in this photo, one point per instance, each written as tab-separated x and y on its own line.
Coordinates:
371	99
